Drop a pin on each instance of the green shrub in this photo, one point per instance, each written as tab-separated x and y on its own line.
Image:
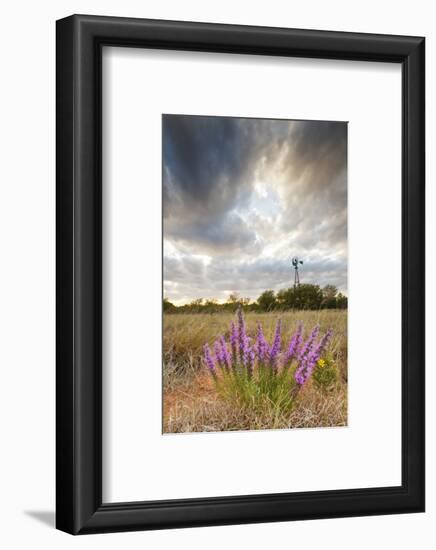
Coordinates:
325	374
264	391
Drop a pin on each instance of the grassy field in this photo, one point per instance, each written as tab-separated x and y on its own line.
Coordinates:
191	402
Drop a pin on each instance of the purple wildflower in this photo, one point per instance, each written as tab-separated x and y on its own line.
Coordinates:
245	353
234	343
225	354
305	350
308	363
324	342
261	344
242	333
305	369
219	353
241	324
208	359
300	374
317	351
275	348
294	344
243	340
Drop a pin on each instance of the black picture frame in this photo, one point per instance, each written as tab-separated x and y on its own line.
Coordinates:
79	507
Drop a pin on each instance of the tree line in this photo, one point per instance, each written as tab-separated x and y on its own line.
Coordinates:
303	296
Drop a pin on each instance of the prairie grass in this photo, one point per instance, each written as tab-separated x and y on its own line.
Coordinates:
193	403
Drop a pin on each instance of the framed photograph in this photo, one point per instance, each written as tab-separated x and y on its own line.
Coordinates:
240	274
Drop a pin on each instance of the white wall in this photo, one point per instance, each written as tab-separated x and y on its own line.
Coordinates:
27	279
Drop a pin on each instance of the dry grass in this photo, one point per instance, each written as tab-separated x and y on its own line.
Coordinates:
191	403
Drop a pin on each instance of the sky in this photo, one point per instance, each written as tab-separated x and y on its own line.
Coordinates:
242	196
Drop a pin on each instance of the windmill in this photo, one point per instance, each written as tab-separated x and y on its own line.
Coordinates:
296	262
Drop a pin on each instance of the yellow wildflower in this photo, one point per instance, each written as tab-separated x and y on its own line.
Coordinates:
321	363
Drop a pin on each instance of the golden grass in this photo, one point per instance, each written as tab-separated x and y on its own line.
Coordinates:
191	403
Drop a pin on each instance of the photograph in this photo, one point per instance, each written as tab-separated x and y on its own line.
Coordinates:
255	268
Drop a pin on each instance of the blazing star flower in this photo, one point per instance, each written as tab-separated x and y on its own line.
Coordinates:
208	359
243	340
225	354
304	369
308	362
219	353
305	350
299	376
246	353
242	333
261	344
321	347
234	342
275	348
241	324
294	344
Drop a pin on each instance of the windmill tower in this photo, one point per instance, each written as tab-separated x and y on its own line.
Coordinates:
295	263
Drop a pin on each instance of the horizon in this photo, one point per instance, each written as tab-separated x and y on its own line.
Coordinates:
240	297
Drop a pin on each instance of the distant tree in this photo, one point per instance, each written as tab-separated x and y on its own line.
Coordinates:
267	300
329	293
303	296
168	307
195	306
245	301
308	296
281	298
211	306
233	298
341	301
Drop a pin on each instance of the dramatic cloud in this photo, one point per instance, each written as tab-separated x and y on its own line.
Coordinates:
241	196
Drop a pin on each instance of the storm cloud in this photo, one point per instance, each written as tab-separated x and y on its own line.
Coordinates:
241	196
